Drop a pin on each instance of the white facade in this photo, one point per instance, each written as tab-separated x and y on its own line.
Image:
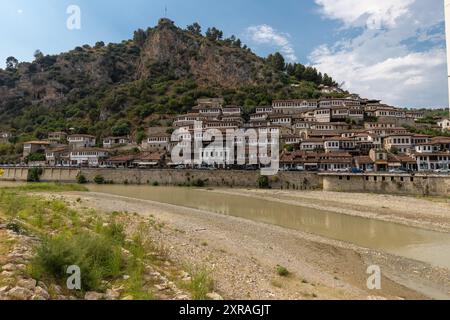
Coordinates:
87	157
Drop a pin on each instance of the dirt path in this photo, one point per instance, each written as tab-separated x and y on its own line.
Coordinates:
243	256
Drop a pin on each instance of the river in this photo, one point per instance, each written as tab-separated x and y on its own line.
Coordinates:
415	243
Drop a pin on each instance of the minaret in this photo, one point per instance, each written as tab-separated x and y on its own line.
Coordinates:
447	37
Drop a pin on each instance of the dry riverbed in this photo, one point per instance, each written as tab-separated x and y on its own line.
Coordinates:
243	256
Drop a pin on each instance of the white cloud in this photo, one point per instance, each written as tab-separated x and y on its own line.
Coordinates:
370	13
265	34
379	63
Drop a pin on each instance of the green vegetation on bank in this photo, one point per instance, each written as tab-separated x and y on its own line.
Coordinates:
46	187
111	250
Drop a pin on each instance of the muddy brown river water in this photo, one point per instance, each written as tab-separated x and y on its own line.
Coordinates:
415	243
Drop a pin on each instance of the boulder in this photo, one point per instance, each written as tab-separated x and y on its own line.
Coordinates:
112	294
29	284
9	267
38	291
18	293
214	296
93	296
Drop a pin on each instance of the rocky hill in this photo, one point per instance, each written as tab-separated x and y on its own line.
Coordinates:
129	86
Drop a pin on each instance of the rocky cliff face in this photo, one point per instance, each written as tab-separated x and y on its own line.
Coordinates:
187	54
166	49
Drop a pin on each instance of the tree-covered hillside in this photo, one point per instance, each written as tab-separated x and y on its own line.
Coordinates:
126	87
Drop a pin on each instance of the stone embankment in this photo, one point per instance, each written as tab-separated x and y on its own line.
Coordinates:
403	184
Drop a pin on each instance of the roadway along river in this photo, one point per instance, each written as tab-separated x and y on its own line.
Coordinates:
422	245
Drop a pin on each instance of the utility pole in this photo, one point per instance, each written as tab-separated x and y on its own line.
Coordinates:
447	37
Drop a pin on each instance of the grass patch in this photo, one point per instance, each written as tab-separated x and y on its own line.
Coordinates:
105	247
98	257
43	187
201	283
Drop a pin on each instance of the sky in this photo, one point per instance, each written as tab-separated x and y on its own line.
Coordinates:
393	50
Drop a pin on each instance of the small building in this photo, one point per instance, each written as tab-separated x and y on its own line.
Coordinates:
114	142
150	160
157	143
312	145
322	115
364	163
88	157
58	157
125	161
232	111
34	146
57	136
77	141
268	110
444	124
401	143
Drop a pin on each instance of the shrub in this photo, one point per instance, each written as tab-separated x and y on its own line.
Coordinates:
98	258
14	227
263	182
81	179
155	184
198	183
34	174
282	271
98	179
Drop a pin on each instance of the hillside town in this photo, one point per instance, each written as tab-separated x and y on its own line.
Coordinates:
328	135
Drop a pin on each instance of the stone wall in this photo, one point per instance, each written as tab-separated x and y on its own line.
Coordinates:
419	184
217	178
424	185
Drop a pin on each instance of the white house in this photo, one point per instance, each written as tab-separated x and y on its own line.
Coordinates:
77	141
444	124
91	157
112	142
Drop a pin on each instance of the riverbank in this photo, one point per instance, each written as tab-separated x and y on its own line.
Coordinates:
243	255
116	253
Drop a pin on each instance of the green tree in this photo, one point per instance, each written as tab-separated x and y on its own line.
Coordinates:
34	175
11	63
38	55
214	34
195	28
277	61
139	37
123	128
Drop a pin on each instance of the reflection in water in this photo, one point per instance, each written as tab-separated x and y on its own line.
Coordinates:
422	245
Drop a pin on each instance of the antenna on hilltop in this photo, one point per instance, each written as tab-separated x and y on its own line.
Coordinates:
165	11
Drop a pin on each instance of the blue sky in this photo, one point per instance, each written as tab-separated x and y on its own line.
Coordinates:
387	49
